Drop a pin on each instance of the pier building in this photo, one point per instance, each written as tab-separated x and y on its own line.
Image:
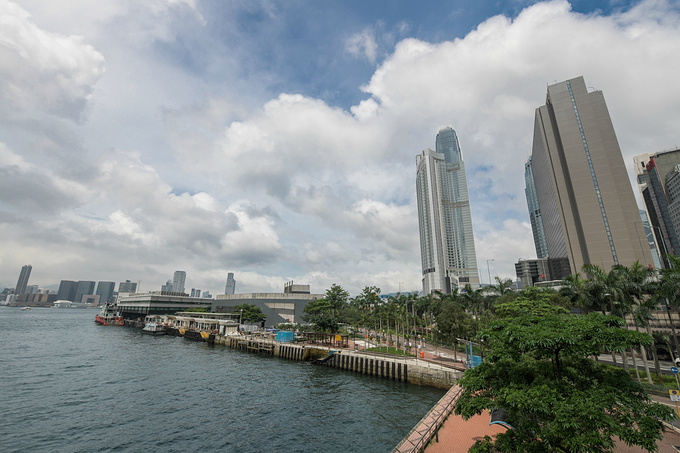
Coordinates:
277	307
138	305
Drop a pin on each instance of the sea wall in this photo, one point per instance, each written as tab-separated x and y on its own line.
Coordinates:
411	370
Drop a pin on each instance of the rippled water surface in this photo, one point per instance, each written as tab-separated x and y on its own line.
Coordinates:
69	385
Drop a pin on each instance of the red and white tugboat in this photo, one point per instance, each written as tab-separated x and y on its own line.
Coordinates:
109	316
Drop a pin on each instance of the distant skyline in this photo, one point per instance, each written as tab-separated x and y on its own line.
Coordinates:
277	141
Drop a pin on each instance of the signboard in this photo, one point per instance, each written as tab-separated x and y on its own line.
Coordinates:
674	394
674	370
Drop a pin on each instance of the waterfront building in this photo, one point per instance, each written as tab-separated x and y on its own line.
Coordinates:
654	172
178	280
67	290
105	291
447	243
83	288
534	211
133	306
230	287
587	204
277	307
22	282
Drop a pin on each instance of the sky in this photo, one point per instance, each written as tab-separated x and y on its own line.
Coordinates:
277	140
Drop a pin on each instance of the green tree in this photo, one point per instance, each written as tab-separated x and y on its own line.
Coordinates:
557	399
250	313
532	300
453	322
320	313
575	289
325	313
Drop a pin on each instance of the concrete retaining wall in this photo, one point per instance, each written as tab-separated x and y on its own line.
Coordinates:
410	370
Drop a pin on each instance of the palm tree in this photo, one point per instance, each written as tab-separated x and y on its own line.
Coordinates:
576	290
607	292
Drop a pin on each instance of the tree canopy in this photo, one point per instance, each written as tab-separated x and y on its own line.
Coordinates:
557	399
250	313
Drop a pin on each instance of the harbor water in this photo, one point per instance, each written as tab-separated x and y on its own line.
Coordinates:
70	385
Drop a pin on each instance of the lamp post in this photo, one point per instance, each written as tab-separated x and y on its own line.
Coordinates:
488	270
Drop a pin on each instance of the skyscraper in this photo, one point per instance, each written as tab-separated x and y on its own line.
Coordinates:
534	211
587	205
105	291
656	175
84	288
230	287
447	243
127	287
23	279
67	290
178	280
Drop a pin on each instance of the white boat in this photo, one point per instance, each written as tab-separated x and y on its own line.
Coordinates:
25	308
153	325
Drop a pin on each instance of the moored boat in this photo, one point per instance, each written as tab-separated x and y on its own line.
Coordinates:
109	316
153	325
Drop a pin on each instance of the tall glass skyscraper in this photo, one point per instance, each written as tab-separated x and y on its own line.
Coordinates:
534	211
447	243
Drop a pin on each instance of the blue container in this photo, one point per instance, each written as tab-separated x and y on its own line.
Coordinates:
285	336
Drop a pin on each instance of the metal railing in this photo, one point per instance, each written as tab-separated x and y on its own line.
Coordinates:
428	427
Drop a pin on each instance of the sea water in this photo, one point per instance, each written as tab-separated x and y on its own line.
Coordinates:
67	384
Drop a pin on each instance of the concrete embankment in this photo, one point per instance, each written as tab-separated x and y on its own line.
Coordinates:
411	370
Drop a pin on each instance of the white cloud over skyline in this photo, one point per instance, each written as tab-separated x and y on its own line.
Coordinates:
122	156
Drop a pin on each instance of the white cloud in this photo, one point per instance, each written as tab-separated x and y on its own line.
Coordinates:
363	45
298	188
42	71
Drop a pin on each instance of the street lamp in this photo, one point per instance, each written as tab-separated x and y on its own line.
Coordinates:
487	269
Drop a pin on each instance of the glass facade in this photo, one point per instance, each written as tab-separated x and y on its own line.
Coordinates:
446	238
534	211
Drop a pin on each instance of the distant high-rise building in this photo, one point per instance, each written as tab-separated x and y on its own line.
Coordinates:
230	288
207	295
105	291
84	288
673	194
67	290
127	287
167	287
178	280
447	243
23	279
587	205
534	212
655	175
195	292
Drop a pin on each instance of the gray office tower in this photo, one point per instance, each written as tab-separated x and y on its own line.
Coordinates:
105	291
178	280
230	287
587	205
84	288
67	290
23	279
447	244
